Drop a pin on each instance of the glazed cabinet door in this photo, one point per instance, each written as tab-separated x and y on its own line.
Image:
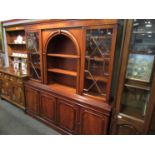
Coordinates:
34	54
47	107
67	116
92	123
32	100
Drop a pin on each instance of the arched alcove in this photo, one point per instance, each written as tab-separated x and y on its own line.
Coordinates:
62	61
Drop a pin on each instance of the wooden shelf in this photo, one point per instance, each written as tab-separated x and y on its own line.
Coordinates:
64	56
142	87
98	78
102	37
12	56
60	87
17	44
99	59
141	32
132	111
62	71
95	95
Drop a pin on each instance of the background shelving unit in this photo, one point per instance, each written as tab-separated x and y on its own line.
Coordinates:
15	47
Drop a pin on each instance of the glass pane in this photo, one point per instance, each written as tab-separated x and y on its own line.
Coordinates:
98	47
34	55
134	102
139	69
143	36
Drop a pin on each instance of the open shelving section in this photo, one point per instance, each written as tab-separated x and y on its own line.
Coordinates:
62	62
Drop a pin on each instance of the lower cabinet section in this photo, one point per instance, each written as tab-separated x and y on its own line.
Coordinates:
68	117
92	123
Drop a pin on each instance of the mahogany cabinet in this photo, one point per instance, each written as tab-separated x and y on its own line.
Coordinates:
12	88
134	105
70	73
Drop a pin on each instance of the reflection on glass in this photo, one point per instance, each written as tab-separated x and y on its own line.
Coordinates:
34	55
143	36
137	86
98	47
134	102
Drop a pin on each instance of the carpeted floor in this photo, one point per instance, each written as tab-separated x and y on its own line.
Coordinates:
14	121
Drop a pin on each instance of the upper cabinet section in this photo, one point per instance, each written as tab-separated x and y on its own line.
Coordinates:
100	46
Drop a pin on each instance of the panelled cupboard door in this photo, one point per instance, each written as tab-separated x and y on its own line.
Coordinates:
122	125
67	116
92	123
32	100
47	107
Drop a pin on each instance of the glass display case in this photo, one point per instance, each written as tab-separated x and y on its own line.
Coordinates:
97	62
135	90
33	54
139	69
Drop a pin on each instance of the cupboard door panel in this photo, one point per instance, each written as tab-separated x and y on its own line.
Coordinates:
47	108
67	116
92	123
125	129
32	100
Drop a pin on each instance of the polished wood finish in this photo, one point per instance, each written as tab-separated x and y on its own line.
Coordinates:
32	100
47	108
67	115
12	87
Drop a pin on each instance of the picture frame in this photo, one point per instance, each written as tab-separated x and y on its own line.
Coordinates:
140	67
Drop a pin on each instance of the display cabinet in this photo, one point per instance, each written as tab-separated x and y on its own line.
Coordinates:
34	54
77	66
134	102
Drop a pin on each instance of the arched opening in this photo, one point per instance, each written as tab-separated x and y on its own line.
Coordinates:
62	62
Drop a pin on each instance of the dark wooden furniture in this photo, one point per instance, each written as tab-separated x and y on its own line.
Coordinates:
133	110
11	87
70	80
